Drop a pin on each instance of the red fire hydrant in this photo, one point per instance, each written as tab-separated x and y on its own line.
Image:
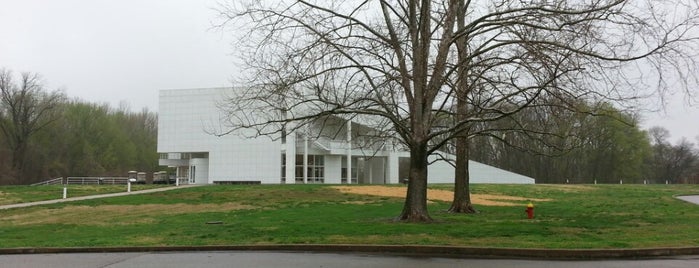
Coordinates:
530	211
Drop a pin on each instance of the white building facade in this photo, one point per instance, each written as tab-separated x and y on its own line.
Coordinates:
189	120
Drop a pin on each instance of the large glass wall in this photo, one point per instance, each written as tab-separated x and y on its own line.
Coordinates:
283	168
315	169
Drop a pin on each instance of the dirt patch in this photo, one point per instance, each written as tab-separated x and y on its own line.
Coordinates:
6	198
147	240
568	187
438	195
358	202
116	214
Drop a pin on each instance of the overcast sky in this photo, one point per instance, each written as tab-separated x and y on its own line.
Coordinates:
111	51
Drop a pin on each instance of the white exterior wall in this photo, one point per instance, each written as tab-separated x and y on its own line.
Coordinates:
246	162
186	119
201	170
333	169
392	172
378	172
443	172
482	173
182	119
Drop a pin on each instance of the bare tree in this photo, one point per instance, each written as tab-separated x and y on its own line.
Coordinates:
315	58
25	108
683	159
403	62
658	135
522	54
671	163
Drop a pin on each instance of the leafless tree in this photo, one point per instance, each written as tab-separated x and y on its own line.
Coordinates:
683	158
386	60
523	54
403	62
25	108
671	163
658	135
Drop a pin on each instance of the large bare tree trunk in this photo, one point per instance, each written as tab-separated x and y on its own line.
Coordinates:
415	207
462	193
18	158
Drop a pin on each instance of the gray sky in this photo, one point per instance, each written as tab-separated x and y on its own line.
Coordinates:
125	51
113	51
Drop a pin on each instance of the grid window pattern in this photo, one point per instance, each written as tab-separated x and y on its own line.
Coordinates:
315	169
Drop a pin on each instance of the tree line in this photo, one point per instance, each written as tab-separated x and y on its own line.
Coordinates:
568	147
47	135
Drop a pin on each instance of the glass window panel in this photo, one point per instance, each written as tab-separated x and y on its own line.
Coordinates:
283	135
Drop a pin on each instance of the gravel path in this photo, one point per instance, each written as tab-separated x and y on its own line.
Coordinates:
690	198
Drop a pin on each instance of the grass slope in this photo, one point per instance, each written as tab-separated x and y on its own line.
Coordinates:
25	193
590	216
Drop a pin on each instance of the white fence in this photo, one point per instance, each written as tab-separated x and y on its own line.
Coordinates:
96	180
49	182
85	181
182	180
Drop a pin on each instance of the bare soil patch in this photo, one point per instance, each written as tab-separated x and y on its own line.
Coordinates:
6	198
438	195
568	187
116	214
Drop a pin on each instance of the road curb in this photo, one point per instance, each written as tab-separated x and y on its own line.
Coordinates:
407	250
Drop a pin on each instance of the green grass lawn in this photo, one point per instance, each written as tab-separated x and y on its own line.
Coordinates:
589	216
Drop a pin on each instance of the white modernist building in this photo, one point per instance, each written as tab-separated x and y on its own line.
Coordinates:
189	117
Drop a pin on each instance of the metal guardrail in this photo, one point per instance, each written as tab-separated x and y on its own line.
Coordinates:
49	182
182	181
96	180
115	180
84	181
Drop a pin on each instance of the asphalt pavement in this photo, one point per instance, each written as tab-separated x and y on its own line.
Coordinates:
300	259
690	198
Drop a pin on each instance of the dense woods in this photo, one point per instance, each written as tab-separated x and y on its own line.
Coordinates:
72	138
566	147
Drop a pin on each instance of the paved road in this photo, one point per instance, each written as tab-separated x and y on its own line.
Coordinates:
290	260
53	201
690	198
